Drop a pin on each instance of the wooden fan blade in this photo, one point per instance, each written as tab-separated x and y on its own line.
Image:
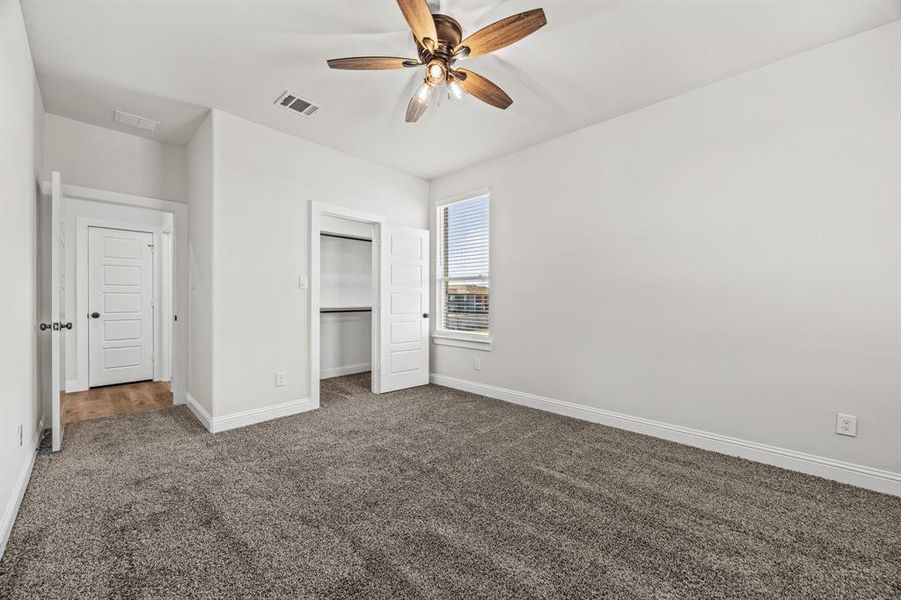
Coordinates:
415	109
372	63
419	18
483	89
503	33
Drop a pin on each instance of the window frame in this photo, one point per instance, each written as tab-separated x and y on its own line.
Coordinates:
449	337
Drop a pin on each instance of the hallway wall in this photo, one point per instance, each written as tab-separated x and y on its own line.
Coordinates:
104	159
21	155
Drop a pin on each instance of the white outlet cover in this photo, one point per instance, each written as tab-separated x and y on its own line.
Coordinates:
846	425
303	282
280	378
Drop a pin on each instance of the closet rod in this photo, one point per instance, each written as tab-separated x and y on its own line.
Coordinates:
345	237
344	310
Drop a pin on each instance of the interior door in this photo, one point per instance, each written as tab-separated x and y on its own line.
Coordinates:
120	289
404	345
56	248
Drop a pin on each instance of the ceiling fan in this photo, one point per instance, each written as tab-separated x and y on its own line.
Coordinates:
440	44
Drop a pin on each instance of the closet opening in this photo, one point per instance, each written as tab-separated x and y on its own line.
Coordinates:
346	298
369	303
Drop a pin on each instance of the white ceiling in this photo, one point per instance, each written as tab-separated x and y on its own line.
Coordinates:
170	60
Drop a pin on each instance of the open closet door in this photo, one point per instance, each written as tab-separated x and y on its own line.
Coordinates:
55	245
404	325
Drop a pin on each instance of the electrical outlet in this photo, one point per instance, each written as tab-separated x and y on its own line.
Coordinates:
846	425
280	378
477	364
21	437
303	282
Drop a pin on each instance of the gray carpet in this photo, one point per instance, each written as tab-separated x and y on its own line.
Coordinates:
432	493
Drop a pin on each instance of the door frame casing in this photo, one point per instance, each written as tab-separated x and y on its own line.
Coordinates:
180	282
317	211
83	291
57	266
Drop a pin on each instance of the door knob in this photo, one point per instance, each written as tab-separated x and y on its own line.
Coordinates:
95	315
425	315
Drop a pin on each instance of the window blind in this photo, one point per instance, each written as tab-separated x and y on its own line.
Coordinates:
463	269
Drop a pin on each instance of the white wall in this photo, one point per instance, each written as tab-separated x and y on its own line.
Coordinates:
21	116
200	227
345	344
727	260
264	180
346	272
104	159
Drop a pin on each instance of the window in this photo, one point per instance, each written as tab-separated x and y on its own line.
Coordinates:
463	274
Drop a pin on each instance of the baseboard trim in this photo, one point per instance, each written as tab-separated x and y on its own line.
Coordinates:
862	476
258	415
11	510
75	385
247	417
345	370
199	411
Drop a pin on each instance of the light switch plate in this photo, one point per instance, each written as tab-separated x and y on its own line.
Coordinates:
303	282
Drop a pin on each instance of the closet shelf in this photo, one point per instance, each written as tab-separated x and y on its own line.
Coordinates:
344	236
344	309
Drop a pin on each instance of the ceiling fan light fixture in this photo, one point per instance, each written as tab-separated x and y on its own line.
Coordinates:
423	92
454	90
436	72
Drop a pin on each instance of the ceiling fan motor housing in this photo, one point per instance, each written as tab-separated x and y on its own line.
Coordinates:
450	34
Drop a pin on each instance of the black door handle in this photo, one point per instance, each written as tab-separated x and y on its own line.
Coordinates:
95	315
425	315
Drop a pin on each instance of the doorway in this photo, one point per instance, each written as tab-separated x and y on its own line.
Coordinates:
118	268
346	296
398	298
127	279
124	283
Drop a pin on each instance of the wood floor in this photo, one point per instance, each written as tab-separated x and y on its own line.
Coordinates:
115	400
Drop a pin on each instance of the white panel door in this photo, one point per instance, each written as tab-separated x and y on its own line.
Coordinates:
404	346
120	288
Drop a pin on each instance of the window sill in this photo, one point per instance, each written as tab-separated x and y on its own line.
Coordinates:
462	341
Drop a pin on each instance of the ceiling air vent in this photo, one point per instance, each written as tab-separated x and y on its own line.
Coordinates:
292	101
135	121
